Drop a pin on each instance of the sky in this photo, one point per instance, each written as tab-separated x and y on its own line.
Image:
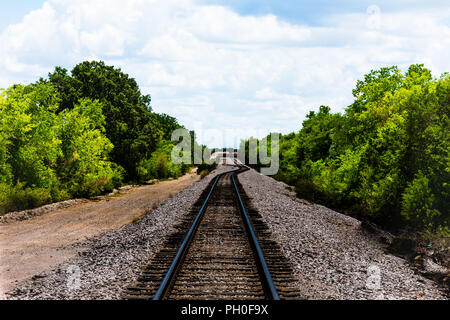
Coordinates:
228	69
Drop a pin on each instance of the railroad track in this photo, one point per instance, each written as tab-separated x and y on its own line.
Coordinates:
225	254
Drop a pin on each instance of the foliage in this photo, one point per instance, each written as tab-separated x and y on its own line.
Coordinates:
130	125
418	202
80	135
204	169
386	158
29	128
84	168
159	166
204	173
18	198
46	156
168	125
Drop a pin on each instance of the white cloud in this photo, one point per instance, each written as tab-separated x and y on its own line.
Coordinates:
219	24
210	65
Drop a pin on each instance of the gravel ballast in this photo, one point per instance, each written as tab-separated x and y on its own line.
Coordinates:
112	260
333	256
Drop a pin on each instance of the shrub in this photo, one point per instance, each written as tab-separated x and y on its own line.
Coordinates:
206	167
162	166
306	189
4	193
418	200
17	198
159	166
203	174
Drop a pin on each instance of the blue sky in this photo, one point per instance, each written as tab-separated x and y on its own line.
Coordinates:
309	12
250	66
13	11
314	12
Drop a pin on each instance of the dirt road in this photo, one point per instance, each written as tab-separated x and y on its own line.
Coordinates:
29	247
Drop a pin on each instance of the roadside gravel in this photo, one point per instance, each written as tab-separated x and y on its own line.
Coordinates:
112	260
332	255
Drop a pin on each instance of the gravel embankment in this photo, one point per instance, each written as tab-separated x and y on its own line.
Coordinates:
28	214
333	256
114	259
36	212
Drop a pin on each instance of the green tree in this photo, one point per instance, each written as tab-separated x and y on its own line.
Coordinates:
47	156
29	129
130	124
167	124
386	158
315	137
84	168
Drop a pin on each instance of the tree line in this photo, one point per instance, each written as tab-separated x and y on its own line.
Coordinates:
80	134
385	158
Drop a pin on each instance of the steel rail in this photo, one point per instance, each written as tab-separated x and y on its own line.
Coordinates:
266	279
184	246
260	260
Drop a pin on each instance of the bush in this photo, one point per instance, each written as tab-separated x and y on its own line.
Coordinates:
33	198
4	193
59	194
159	166
17	198
203	174
417	205
162	166
206	167
307	190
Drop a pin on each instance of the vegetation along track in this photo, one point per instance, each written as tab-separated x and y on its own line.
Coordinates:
222	250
